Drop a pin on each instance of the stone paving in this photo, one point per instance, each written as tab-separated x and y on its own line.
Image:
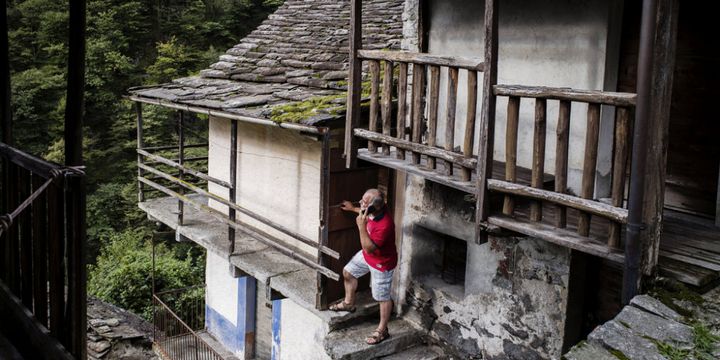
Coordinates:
650	329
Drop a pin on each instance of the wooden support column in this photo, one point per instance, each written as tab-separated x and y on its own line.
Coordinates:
321	300
354	84
487	123
75	194
181	161
232	194
666	19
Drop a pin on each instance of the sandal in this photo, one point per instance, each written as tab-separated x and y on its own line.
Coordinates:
342	306
377	337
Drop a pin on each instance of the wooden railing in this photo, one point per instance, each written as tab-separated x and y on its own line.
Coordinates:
151	174
585	203
409	137
42	272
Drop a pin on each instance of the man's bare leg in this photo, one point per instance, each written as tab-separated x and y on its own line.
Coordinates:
351	284
385	311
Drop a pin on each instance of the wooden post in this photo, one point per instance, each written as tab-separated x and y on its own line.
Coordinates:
487	124
587	188
418	107
75	194
354	83
140	145
666	19
622	132
511	138
5	109
450	116
181	160
561	159
387	97
374	66
538	167
402	106
232	194
25	226
321	301
433	105
469	139
56	270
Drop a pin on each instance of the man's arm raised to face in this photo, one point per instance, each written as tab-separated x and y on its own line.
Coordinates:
367	244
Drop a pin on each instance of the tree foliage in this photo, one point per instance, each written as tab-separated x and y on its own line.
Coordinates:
129	43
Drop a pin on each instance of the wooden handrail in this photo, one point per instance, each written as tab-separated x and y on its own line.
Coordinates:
248	230
596	208
459	62
303	239
29	162
175	165
439	153
555	93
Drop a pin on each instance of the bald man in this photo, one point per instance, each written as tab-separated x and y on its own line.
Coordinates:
378	257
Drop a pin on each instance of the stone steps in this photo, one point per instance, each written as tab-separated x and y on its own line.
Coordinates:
349	343
422	352
367	309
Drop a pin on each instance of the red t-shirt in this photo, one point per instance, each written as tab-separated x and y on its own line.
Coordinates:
382	233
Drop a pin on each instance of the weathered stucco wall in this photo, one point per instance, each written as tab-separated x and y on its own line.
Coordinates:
513	300
568	43
301	333
278	176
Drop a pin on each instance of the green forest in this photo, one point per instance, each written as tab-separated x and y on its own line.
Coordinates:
129	43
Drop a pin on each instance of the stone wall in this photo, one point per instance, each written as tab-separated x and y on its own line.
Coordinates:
512	303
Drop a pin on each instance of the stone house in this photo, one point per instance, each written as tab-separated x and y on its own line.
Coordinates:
533	155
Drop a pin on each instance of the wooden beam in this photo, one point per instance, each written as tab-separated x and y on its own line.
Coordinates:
620	156
511	138
431	151
561	158
458	62
387	103
352	118
568	94
24	160
562	237
374	67
433	104
487	123
232	191
590	206
587	188
402	105
538	166
469	138
659	119
451	109
418	107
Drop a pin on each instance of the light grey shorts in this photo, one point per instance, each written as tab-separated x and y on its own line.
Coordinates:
380	282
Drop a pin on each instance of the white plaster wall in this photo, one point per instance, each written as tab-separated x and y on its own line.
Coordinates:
302	333
549	43
221	288
278	176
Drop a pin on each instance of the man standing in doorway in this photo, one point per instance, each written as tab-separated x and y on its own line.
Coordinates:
378	257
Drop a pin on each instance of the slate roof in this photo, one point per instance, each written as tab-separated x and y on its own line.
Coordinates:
298	52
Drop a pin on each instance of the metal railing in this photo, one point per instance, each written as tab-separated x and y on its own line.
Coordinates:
178	316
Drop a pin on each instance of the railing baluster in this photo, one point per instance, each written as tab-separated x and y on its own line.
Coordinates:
561	159
418	107
25	227
402	106
511	138
433	103
13	235
181	161
589	164
538	168
450	116
387	96
469	140
374	100
622	131
39	252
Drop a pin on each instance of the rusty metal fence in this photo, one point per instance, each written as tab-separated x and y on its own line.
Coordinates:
178	318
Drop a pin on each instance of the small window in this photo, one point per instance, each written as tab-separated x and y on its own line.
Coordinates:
454	260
